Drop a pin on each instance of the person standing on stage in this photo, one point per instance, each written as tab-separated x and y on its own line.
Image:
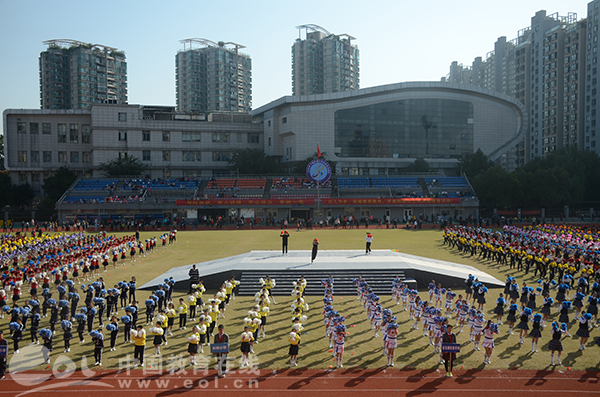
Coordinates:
449	357
369	241
315	250
222	337
284	242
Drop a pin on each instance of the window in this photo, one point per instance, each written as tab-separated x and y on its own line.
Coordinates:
86	134
220	156
74	157
283	120
166	136
123	136
146	136
35	156
269	141
46	128
220	137
34	128
269	123
166	155
21	128
62	157
22	177
47	156
122	155
35	176
191	156
145	155
86	157
190	137
73	133
22	156
62	133
253	138
122	116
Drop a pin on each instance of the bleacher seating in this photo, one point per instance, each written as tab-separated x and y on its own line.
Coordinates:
353	183
94	184
83	199
447	182
251	184
221	184
299	196
396	182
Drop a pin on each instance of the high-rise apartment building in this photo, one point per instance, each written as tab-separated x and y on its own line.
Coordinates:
213	77
77	75
589	43
542	68
324	62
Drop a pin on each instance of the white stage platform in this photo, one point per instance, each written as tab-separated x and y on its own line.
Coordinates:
354	262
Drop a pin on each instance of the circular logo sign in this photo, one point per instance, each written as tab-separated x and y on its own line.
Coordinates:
318	171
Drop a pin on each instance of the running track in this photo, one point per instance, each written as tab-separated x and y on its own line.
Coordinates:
309	382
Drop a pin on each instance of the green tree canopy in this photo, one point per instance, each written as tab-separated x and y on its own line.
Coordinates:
253	162
123	167
420	165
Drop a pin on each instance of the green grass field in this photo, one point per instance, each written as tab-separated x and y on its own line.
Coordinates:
363	350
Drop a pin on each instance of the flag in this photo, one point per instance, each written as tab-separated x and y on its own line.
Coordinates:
318	151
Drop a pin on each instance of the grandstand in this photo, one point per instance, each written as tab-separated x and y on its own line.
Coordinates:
273	198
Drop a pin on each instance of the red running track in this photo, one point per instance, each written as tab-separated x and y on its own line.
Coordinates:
308	382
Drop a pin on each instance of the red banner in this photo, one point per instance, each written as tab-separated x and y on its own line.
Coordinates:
390	201
245	202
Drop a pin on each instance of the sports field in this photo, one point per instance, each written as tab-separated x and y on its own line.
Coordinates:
363	350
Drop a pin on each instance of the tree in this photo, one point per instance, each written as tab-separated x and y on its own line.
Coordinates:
253	162
420	165
5	189
56	185
123	167
473	164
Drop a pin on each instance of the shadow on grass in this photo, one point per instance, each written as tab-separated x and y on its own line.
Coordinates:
570	358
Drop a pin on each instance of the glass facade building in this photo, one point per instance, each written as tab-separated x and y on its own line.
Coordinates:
412	128
382	130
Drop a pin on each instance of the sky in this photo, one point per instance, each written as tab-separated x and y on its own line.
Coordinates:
399	40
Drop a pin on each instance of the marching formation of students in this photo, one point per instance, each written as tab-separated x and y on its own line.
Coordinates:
555	254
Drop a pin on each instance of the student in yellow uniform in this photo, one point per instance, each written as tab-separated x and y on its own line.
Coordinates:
157	332
193	340
270	284
213	311
139	337
263	311
202	328
171	313
164	323
294	340
210	325
182	309
192	306
247	339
